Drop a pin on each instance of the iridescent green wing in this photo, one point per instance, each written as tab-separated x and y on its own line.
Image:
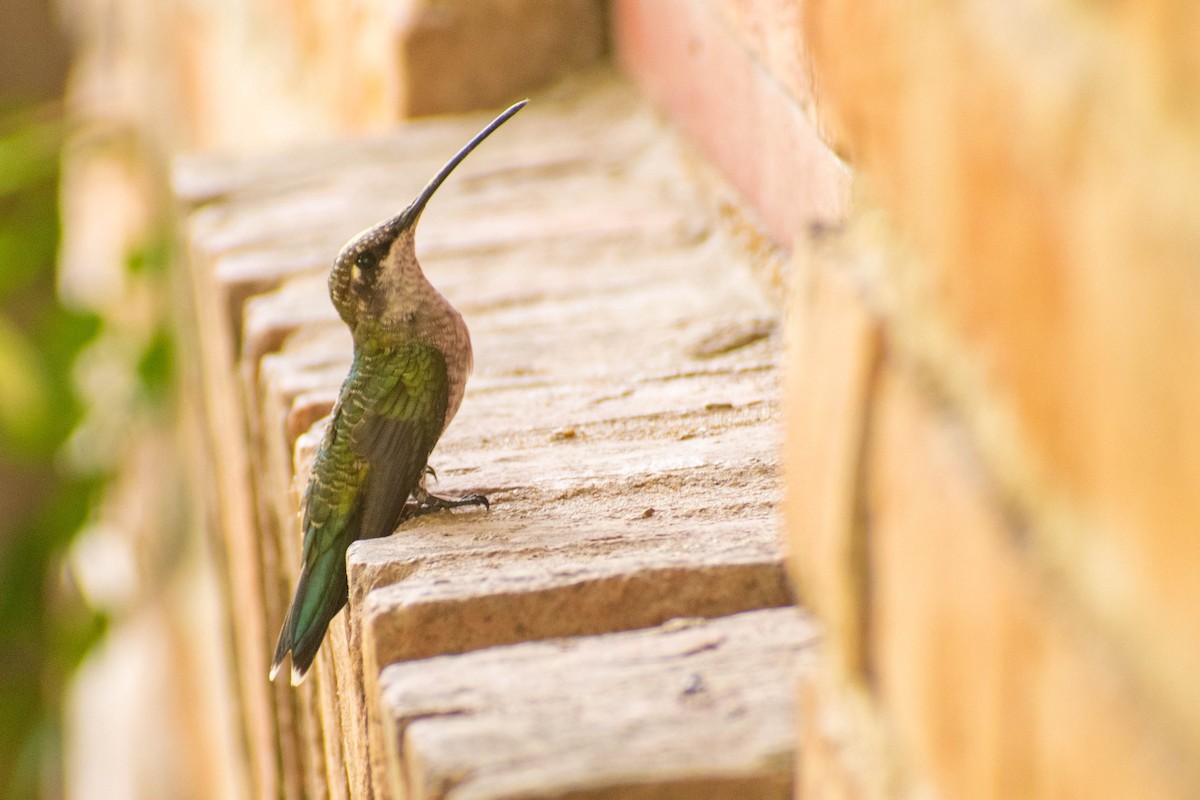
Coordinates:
330	500
331	514
404	411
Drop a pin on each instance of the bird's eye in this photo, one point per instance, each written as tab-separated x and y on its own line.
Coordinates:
361	266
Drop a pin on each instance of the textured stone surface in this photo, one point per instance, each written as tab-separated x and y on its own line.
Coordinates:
771	31
696	709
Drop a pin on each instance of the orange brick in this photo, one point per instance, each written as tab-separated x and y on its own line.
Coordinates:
843	753
1050	186
693	66
990	685
834	346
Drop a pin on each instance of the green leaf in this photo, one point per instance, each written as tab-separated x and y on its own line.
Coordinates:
29	156
151	258
25	391
28	239
156	368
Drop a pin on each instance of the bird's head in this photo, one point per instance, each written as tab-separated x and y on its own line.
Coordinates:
376	272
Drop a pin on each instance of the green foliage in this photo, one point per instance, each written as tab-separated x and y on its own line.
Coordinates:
46	629
156	367
152	258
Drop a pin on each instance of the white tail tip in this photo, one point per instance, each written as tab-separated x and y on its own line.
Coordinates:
298	676
274	670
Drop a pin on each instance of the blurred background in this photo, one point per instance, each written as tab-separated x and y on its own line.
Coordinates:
98	551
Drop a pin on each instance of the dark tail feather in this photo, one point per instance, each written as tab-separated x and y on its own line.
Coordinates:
320	595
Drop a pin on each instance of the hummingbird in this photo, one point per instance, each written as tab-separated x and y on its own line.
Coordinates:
412	355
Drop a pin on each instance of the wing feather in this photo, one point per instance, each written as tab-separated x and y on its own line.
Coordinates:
396	434
388	418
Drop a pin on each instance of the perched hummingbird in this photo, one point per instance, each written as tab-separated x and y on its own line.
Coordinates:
412	355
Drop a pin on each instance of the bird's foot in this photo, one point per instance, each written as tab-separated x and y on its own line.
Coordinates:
427	503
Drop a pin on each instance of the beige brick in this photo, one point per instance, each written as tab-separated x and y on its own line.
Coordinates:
693	66
992	687
230	513
696	709
1049	183
834	347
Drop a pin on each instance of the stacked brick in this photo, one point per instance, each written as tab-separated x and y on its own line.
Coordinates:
622	418
992	456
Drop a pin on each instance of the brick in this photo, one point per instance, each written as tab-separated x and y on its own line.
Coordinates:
834	347
230	512
1047	185
771	31
320	69
500	50
693	709
992	685
844	751
691	64
343	662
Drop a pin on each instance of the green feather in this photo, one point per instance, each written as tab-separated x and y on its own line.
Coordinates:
388	417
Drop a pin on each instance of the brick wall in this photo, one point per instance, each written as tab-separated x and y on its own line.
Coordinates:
991	340
991	454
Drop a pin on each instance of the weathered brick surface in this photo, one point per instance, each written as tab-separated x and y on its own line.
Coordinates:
976	674
847	749
991	689
1048	182
463	55
620	417
772	31
697	709
692	61
834	345
229	506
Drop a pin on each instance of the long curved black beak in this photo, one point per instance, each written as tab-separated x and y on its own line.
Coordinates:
413	212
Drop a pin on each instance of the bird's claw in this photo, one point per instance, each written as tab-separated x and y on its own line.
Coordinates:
427	503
